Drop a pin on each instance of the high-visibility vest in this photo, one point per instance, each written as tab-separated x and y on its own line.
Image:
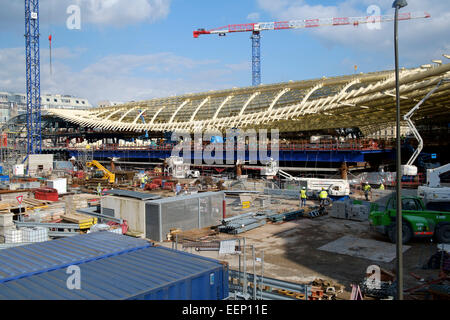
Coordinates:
303	194
144	179
323	194
382	187
367	187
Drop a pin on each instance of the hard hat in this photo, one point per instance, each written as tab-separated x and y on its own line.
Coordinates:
303	188
323	188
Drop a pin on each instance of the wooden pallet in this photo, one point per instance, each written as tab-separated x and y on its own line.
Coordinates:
84	221
37	202
5	206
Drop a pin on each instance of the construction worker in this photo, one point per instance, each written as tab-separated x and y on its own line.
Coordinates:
303	197
367	189
381	186
323	195
178	188
99	189
144	180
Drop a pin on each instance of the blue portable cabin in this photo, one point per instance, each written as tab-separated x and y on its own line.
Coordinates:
148	273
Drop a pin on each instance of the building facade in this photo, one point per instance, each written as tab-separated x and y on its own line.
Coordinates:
13	104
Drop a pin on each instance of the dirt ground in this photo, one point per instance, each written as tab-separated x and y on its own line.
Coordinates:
291	250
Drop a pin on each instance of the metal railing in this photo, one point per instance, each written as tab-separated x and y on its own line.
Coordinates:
302	145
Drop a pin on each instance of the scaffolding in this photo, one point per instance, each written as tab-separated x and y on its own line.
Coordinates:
13	148
83	157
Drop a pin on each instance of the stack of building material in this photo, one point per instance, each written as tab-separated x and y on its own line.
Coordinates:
5	206
24	185
286	216
49	214
46	194
350	209
6	224
35	234
339	210
242	223
359	212
10	196
82	200
83	220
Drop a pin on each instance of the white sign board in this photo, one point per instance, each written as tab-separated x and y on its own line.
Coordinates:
227	246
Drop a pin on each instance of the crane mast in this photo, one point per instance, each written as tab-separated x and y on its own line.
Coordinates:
256	28
34	138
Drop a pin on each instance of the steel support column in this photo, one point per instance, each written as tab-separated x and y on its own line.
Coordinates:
256	58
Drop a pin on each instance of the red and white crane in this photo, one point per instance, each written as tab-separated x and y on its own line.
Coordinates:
256	28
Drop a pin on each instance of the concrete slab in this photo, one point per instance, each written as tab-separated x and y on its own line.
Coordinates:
363	248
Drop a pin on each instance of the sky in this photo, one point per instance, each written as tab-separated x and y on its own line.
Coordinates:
131	50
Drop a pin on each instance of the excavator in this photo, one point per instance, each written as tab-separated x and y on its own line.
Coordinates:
106	173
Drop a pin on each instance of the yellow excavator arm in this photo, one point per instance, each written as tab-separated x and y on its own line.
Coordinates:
107	174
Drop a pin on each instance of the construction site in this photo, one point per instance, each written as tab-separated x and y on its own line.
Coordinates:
283	191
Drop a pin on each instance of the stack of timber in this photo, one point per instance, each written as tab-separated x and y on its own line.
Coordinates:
84	221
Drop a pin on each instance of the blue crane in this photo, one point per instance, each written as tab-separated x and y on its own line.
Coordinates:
34	137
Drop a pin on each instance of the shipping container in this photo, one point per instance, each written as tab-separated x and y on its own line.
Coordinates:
39	257
185	212
153	273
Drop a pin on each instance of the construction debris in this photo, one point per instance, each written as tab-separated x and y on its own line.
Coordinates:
326	289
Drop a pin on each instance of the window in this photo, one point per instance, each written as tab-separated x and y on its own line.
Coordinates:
77	101
48	99
409	204
56	100
82	102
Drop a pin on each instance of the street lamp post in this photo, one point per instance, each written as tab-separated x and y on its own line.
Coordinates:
398	4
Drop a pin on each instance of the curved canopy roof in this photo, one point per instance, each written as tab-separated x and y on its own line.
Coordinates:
366	101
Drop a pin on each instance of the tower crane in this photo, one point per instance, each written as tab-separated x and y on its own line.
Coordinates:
33	76
256	28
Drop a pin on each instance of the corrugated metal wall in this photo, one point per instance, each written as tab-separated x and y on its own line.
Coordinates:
183	212
144	273
50	255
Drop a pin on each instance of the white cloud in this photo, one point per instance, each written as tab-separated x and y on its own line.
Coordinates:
242	66
119	77
254	16
12	70
99	12
124	11
420	40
